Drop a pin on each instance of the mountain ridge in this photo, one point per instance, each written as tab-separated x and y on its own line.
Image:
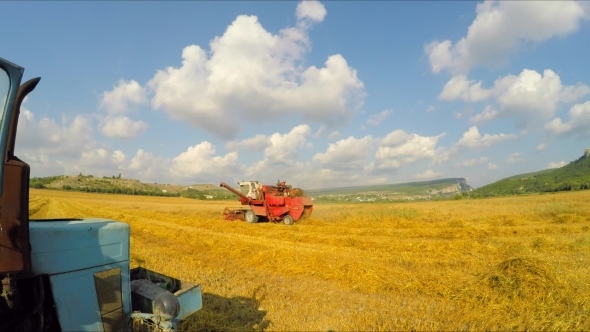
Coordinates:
117	185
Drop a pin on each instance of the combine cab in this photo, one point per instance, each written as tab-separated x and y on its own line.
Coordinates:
280	203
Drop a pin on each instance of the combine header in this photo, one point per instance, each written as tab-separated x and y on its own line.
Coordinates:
275	203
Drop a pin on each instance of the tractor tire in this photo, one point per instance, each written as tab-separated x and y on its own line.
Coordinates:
251	217
288	220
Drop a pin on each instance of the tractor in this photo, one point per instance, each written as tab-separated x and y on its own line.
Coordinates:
277	203
71	274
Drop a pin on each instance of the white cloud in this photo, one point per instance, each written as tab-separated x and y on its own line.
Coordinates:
121	127
503	27
427	175
471	162
459	87
488	114
399	147
430	108
541	147
493	166
256	143
334	135
124	96
101	158
281	153
283	148
46	137
556	164
578	123
311	10
320	131
253	75
376	119
200	161
530	95
573	93
473	139
515	158
347	154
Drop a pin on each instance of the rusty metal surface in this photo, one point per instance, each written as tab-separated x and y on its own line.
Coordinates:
14	218
14	203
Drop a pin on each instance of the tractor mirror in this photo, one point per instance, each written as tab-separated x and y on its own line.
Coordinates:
10	78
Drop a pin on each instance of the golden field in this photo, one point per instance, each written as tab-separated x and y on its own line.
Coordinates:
518	263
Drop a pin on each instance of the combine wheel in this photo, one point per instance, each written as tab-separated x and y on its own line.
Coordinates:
288	220
251	217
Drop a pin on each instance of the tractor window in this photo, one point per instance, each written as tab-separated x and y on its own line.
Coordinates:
244	188
4	87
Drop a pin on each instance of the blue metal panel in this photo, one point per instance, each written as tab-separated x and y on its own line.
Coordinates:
75	298
190	302
64	246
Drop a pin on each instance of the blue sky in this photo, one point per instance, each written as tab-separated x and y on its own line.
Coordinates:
320	94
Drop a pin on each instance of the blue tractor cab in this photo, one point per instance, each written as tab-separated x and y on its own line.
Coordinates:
71	274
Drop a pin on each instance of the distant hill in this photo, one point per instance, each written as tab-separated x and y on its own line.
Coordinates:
117	185
573	176
400	191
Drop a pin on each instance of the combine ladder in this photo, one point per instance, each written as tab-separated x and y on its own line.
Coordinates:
269	214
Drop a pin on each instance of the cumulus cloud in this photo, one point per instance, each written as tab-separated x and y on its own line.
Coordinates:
311	10
47	137
256	143
376	119
253	75
347	154
577	125
493	166
124	98
556	164
334	135
471	162
122	127
200	161
541	147
459	87
473	139
515	157
429	174
502	28
400	147
528	96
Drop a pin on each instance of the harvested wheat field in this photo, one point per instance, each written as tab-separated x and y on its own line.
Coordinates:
518	263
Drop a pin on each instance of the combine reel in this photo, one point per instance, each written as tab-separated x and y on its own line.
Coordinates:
233	214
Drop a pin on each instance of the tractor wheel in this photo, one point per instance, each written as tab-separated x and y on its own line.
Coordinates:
251	217
288	220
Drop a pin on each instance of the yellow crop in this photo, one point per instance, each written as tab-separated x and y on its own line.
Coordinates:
497	264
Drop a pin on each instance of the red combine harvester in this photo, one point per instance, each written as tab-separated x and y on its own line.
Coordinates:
275	203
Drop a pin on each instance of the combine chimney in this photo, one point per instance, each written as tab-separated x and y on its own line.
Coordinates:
587	153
